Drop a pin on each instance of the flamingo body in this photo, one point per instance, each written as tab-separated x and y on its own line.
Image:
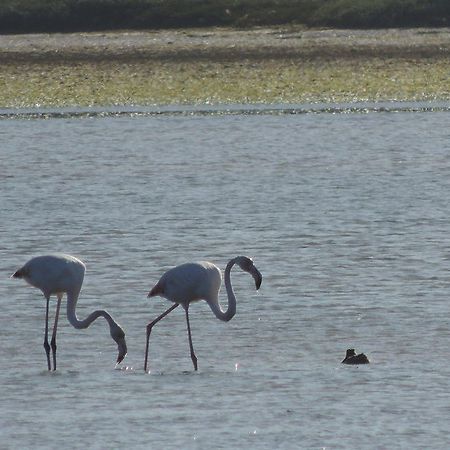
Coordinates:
53	274
189	282
192	282
59	274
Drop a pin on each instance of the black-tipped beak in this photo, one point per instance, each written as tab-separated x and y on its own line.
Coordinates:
122	346
17	274
256	274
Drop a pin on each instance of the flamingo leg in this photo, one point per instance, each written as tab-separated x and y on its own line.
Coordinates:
55	327
191	347
149	330
46	345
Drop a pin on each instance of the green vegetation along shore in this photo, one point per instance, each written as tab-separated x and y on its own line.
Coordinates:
286	64
25	16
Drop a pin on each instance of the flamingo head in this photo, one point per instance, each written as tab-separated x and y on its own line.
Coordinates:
118	335
246	264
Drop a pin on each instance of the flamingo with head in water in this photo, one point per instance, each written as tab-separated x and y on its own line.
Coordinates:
58	274
191	282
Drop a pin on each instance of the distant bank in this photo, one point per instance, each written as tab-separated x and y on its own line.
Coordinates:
30	16
271	65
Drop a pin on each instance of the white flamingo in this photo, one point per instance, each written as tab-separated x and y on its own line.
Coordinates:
191	282
58	274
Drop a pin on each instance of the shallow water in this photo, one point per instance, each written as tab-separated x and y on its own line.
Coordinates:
346	216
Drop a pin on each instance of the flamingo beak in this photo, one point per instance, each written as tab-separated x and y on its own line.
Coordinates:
122	346
256	274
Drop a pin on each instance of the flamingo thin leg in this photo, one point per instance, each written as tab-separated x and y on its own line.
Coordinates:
149	330
191	347
46	345
55	327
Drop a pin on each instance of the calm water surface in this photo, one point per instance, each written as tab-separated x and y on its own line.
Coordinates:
346	216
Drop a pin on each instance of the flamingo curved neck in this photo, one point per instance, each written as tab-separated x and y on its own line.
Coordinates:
81	324
231	309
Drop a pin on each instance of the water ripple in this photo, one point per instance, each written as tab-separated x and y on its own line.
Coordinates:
221	110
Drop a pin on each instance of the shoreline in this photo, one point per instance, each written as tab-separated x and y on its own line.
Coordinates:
225	44
220	65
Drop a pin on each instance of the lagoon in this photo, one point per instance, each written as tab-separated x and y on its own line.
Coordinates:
344	212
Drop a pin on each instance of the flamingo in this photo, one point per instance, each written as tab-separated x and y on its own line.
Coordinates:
192	282
58	274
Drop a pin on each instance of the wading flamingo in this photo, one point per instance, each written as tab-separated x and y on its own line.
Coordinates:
58	274
199	281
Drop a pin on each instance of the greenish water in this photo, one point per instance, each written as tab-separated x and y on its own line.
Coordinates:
346	215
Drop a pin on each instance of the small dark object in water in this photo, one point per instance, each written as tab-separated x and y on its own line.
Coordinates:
352	358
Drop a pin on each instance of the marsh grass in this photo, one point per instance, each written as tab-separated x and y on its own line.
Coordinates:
199	82
89	15
223	65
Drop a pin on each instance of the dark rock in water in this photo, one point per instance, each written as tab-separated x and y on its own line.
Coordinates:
352	358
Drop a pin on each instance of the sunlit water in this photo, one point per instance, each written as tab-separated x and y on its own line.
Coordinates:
346	216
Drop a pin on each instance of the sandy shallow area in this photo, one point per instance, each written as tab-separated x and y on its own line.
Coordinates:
228	44
263	65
